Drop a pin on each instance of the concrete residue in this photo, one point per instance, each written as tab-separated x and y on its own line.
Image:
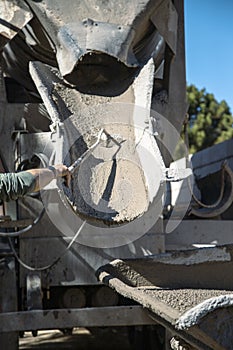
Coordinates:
195	257
119	269
116	182
180	299
177	343
128	198
110	184
185	300
182	308
194	315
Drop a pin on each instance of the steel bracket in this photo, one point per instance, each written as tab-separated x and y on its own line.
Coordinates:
173	175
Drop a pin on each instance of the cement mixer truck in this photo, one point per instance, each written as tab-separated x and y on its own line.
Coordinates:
99	86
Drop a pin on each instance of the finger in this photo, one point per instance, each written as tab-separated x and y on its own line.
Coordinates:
67	180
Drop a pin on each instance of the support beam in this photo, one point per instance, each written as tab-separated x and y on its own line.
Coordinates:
68	318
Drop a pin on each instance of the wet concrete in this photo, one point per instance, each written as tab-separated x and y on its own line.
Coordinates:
184	299
82	339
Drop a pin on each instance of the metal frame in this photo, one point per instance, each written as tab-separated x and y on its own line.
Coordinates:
68	318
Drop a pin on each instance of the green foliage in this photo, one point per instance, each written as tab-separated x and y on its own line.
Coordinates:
210	122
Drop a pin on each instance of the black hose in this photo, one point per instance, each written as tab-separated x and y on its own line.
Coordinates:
25	229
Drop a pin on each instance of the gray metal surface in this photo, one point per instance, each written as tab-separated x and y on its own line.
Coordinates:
210	160
84	260
195	312
8	300
143	30
8	276
77	33
34	292
169	97
199	233
68	318
219	327
226	188
77	37
197	268
14	15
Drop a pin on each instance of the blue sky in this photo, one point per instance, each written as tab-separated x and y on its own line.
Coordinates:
209	47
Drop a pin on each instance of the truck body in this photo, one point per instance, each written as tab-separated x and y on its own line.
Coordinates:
69	70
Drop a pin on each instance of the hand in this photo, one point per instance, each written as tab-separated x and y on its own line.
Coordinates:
63	171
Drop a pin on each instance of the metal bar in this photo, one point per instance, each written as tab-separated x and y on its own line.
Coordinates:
68	318
15	223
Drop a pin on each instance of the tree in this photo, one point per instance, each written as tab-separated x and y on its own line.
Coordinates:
210	122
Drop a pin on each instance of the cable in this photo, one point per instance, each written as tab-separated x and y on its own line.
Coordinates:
218	201
25	229
203	205
54	262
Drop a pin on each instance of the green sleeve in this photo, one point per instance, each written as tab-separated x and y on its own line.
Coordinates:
15	185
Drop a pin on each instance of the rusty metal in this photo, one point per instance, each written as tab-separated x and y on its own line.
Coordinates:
15	223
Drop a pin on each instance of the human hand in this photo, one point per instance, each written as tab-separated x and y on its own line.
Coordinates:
63	171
